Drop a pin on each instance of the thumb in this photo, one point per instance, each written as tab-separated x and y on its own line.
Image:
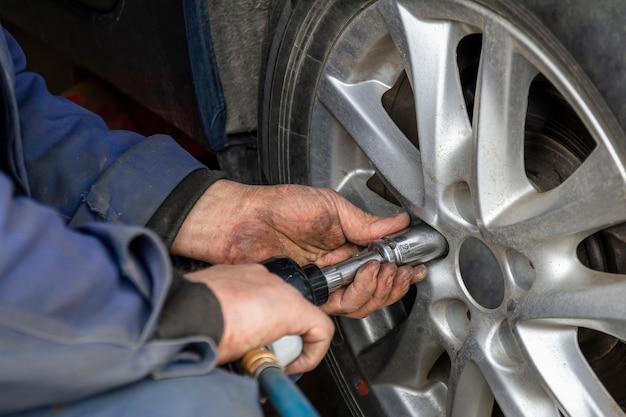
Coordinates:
361	227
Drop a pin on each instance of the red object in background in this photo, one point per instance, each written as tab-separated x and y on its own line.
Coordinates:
121	112
361	387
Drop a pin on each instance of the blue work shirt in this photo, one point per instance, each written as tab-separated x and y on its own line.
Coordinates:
81	288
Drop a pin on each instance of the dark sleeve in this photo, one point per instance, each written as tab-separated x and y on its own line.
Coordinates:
190	308
168	218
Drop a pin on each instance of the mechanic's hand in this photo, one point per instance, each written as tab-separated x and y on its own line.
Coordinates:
236	223
374	286
259	308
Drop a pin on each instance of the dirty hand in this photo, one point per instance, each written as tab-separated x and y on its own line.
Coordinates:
259	308
235	223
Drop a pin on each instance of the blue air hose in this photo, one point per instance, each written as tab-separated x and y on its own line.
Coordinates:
281	391
284	395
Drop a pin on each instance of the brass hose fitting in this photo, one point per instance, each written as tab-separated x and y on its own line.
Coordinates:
280	390
258	360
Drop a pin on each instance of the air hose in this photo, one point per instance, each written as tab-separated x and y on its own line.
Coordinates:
280	390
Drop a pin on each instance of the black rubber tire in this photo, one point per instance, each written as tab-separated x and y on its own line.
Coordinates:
300	37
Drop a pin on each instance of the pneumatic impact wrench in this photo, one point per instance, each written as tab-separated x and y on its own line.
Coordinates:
418	244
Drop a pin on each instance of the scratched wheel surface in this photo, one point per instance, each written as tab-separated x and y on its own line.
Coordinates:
501	126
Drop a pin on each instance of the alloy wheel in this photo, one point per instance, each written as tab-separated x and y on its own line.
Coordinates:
487	132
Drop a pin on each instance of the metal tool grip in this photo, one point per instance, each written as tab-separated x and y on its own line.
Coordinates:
417	244
344	272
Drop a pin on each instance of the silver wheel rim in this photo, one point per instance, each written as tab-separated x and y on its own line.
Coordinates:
516	345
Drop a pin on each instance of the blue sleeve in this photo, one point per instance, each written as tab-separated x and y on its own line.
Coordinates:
75	164
78	307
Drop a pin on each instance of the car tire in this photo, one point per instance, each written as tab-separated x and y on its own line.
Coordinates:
501	124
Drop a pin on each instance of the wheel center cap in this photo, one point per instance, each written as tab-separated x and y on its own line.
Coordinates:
481	273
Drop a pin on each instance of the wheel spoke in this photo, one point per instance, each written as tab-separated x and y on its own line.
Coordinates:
407	381
589	200
499	120
566	374
483	370
517	393
355	189
468	392
513	383
428	50
413	364
358	108
407	365
585	298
